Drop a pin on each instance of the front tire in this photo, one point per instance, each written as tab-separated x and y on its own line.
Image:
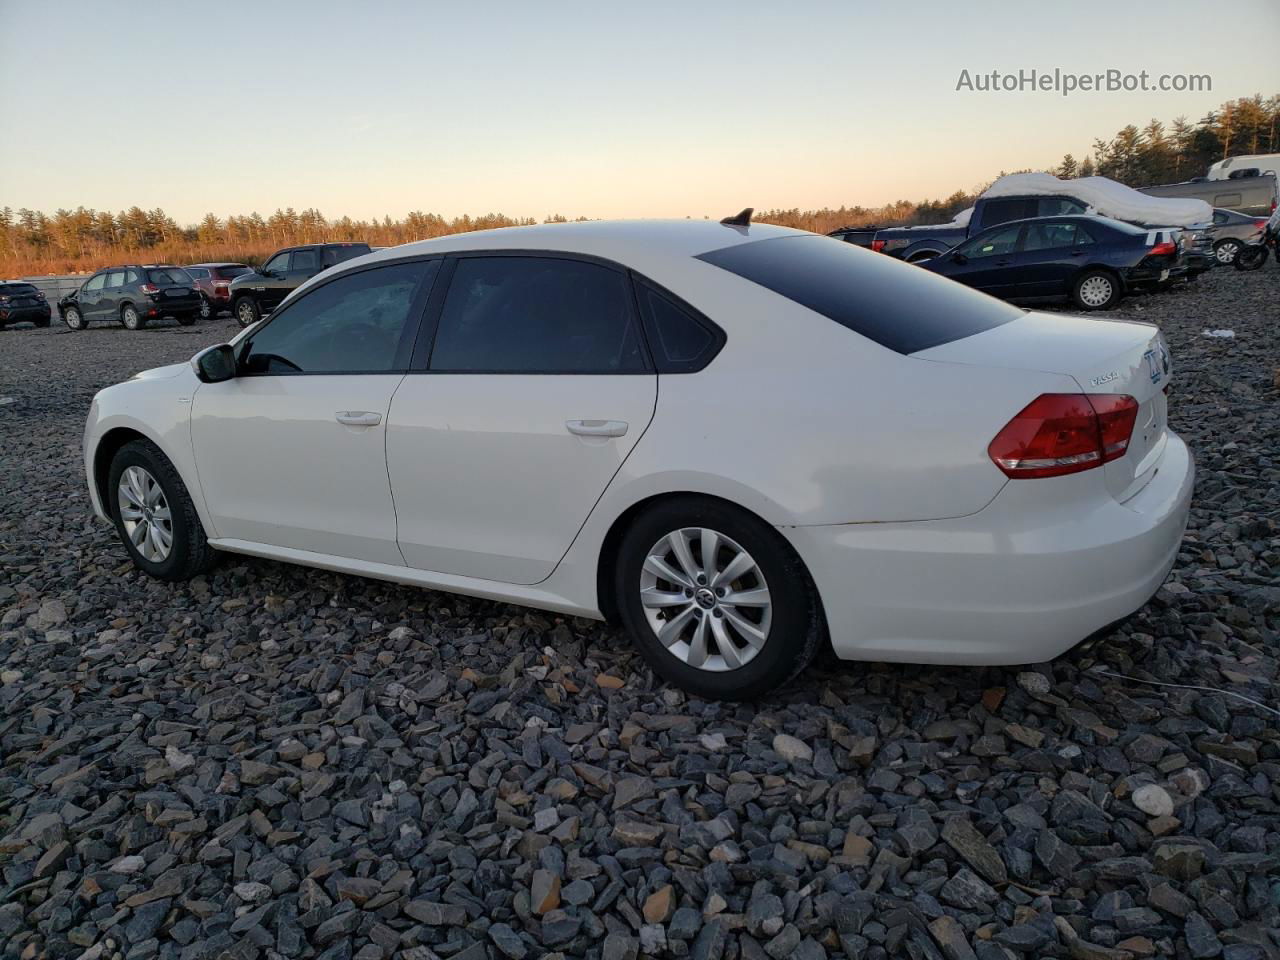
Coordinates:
153	514
246	311
73	318
131	318
716	599
1226	251
1096	290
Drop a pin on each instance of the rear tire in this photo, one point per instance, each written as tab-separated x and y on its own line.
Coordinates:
1096	290
206	310
73	318
246	311
1251	257
689	629
131	318
145	493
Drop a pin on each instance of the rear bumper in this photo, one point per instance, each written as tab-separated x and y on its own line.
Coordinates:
25	314
172	308
1018	582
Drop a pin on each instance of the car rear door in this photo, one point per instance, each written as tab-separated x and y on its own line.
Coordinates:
291	451
1053	251
989	261
530	394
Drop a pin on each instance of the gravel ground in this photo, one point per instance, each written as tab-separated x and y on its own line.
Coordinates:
271	761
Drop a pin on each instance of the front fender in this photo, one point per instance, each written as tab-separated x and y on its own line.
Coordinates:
158	410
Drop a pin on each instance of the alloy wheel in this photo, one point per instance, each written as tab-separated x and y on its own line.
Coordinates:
705	599
1095	291
244	313
145	514
130	318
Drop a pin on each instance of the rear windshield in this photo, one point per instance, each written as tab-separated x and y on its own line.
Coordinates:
17	289
169	275
230	273
898	305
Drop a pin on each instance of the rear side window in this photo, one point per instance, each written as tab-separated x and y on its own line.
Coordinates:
115	279
334	255
682	342
305	260
898	305
1004	209
1059	207
200	273
537	315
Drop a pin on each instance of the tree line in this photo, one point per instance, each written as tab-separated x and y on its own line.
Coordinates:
80	240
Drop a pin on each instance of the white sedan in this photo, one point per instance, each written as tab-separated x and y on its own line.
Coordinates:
739	441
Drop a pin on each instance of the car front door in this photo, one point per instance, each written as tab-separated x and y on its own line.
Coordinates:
275	281
986	262
90	296
112	292
536	389
291	451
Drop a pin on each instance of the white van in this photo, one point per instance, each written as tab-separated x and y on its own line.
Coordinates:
1258	163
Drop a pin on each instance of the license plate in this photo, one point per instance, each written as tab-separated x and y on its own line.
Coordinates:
175	293
1164	274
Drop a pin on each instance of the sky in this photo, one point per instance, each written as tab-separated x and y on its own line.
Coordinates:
598	109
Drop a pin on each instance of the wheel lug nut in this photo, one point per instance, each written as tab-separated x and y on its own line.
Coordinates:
718	612
719	591
688	591
698	614
702	579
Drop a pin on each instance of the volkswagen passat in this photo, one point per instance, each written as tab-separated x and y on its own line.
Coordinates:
737	440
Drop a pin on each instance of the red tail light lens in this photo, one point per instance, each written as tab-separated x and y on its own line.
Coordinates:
1061	433
149	288
1160	249
877	245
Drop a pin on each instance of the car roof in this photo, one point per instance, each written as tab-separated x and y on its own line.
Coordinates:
1075	218
227	263
625	241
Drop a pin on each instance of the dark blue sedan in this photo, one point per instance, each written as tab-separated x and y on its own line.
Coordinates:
1092	260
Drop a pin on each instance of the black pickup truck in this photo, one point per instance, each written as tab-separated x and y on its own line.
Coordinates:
924	242
260	291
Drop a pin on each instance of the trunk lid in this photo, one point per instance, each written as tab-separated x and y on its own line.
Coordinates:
1102	356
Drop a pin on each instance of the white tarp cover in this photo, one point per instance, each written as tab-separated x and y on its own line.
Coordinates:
1108	198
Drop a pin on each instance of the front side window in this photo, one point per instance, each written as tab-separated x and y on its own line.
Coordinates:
897	305
537	315
277	264
998	243
353	324
96	283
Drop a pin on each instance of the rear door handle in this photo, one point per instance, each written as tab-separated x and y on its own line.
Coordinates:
597	428
358	418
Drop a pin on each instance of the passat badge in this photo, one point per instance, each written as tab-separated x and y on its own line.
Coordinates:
1105	378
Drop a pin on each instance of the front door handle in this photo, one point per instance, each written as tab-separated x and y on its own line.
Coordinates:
597	428
358	418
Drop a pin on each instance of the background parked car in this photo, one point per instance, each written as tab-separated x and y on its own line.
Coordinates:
256	293
1249	164
21	302
1255	195
1093	260
213	280
133	294
1231	230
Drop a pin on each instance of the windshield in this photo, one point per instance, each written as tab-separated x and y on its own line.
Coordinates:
17	290
169	275
898	305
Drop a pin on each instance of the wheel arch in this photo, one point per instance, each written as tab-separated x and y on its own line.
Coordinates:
1106	268
607	558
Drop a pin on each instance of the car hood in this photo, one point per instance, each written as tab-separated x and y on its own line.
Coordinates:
162	373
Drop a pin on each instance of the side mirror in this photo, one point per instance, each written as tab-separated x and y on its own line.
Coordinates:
215	364
959	258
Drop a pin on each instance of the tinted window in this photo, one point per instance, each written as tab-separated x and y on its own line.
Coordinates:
305	260
277	264
1050	236
17	289
681	343
1059	207
536	315
200	273
230	273
1219	217
334	255
352	324
1002	210
896	304
998	243
169	276
96	283
115	279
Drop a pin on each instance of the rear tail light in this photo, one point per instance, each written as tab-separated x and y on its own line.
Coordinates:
222	284
149	288
877	246
1161	249
1260	223
1061	433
